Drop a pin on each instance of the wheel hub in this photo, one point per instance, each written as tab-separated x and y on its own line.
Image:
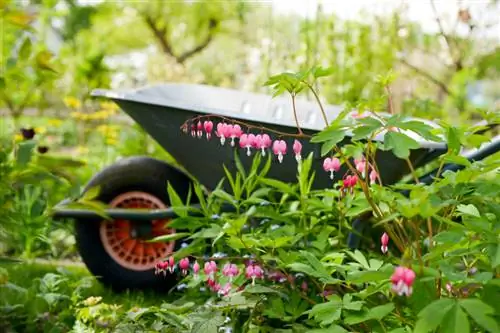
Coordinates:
126	241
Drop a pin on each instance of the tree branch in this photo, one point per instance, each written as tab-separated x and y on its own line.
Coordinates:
161	36
431	78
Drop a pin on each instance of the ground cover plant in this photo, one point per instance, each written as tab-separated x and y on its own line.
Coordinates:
283	259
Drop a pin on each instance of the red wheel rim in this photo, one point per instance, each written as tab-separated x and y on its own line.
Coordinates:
117	235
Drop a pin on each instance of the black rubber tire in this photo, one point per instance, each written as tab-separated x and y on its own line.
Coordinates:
131	174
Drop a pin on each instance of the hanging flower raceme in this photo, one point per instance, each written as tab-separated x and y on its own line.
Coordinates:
331	165
184	265
384	240
254	272
235	132
279	148
247	141
402	281
208	127
297	149
230	271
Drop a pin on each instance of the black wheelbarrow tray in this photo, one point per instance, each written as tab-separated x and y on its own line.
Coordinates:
115	250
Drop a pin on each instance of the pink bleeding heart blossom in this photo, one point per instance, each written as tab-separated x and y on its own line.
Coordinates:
235	132
360	165
171	264
184	265
224	291
279	148
247	141
384	240
208	126
359	115
196	268
199	129
223	132
297	149
210	269
402	281
373	176
331	165
230	271
193	130
254	272
161	266
262	142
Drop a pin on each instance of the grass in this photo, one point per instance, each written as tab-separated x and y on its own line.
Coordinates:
23	274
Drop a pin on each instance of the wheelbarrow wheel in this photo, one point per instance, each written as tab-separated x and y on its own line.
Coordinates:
117	251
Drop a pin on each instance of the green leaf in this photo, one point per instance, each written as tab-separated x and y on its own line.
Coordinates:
432	315
43	59
2	82
25	152
420	128
480	312
176	201
453	139
91	194
322	71
468	210
455	321
277	184
381	311
259	289
25	50
334	134
327	313
326	148
400	144
169	237
330	329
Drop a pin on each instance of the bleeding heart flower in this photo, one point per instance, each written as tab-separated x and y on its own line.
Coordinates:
262	142
193	130
247	141
223	131
360	165
224	291
171	264
208	127
373	176
254	272
297	149
230	271
184	265
196	268
279	148
331	165
199	129
385	241
402	281
210	269
235	132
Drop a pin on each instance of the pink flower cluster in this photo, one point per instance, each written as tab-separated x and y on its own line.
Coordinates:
402	281
210	269
247	141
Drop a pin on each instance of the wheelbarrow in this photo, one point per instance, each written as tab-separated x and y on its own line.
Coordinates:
116	250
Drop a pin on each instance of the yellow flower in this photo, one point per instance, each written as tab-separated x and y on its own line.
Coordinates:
110	106
72	102
40	130
55	122
18	137
92	300
111	141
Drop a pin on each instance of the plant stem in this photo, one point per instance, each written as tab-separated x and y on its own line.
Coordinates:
412	170
295	114
316	96
261	128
